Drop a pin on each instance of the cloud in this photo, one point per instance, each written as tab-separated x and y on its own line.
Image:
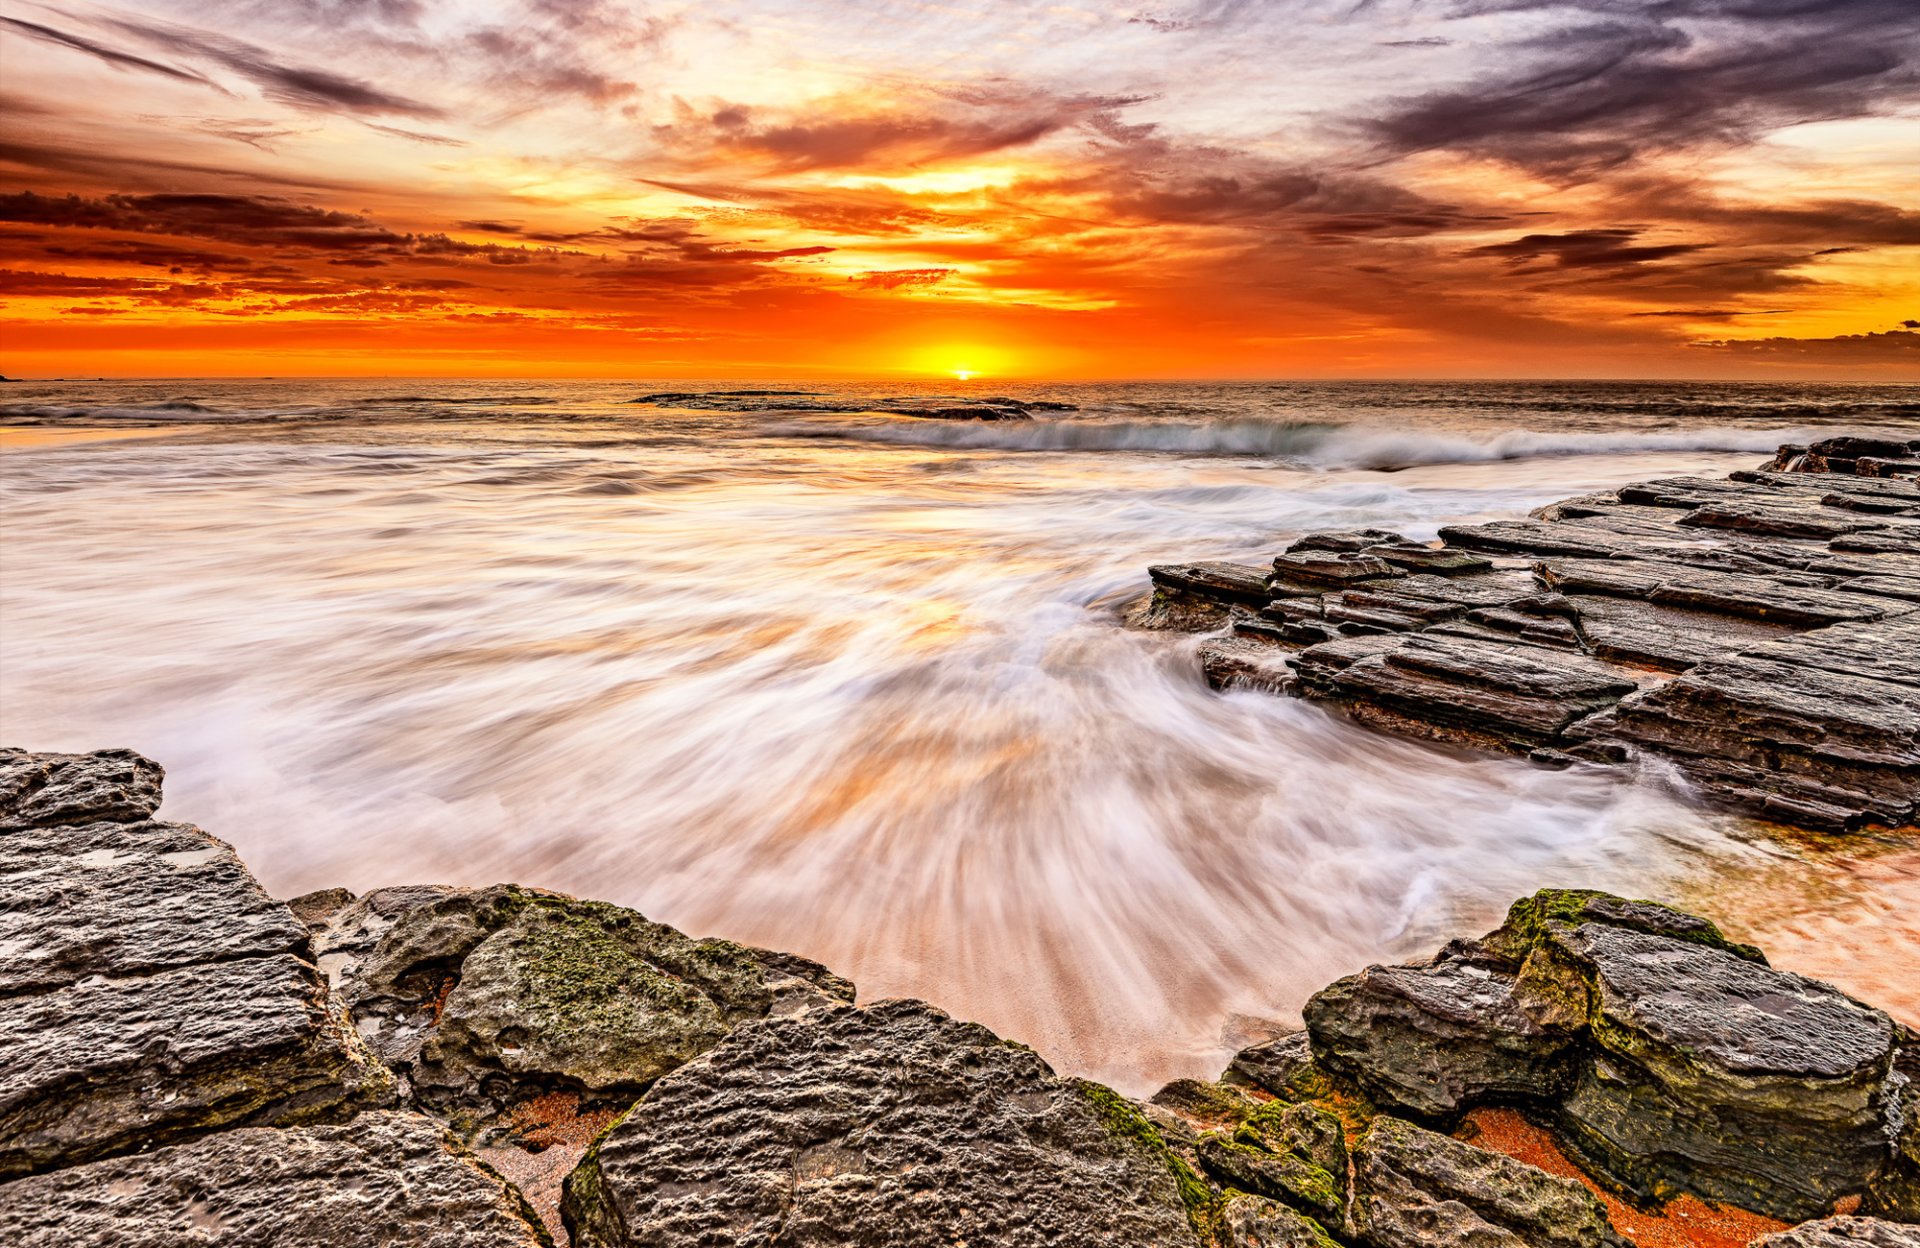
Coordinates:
296	86
112	56
1632	79
1579	249
896	279
1893	346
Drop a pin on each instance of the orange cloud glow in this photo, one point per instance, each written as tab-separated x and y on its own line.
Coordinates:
750	187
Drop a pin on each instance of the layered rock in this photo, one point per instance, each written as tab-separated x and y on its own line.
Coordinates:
384	1180
1845	1232
1759	633
150	990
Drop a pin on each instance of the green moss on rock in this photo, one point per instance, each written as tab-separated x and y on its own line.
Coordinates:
1122	1118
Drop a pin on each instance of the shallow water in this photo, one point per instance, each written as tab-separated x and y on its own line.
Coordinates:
853	686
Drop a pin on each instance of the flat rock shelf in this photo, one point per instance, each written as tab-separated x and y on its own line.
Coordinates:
1760	634
191	1062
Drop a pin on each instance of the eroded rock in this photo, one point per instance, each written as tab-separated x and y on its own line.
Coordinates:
1417	1189
384	1180
42	790
1844	1232
893	1124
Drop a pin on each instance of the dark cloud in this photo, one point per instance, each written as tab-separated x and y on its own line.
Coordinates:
1582	249
112	56
1893	346
296	86
1709	314
1626	79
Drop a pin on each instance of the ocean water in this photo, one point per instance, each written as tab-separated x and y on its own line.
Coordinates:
856	685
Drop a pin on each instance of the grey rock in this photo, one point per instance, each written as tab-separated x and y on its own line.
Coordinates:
1438	560
384	1180
49	789
1436	1039
490	996
1702	589
1713	1074
1347	540
892	1126
125	899
107	1065
1324	567
1256	1222
1242	663
1417	1189
1844	1232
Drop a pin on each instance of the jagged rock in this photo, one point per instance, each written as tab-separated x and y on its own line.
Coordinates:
1434	1040
1285	1067
1256	1222
893	1124
40	790
489	996
1283	1176
150	990
1844	1232
1417	1189
1702	589
1195	597
103	1066
1706	1071
1895	1191
384	1180
1240	663
128	899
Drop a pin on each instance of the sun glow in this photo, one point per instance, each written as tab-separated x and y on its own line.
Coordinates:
962	374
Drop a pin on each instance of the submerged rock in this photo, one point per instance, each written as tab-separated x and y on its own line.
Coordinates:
1416	1189
892	1124
384	1180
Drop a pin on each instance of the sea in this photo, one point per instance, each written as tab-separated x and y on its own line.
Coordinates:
857	685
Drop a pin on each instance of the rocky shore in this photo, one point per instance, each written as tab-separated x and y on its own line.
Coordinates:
191	1062
1758	635
926	407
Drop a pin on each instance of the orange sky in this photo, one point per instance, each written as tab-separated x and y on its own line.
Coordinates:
743	187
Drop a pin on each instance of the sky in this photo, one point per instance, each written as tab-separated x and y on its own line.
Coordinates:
1184	188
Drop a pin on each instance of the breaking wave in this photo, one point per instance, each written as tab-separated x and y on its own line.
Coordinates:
1313	444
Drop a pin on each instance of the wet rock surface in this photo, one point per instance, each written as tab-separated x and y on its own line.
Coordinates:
384	1180
44	790
1758	633
888	1125
1845	1232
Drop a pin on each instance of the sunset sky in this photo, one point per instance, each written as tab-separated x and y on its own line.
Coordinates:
1287	188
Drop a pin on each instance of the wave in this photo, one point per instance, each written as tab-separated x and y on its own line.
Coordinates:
149	413
1313	444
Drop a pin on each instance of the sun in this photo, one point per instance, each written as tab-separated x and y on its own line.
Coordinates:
962	374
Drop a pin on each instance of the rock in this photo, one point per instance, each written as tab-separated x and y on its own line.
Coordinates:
150	990
490	996
127	899
1437	560
1844	1232
1417	1189
41	790
1240	663
1195	597
384	1180
1455	688
1283	1176
105	1066
1322	567
1710	1073
1701	589
1256	1222
893	1124
1345	540
1285	1067
1821	729
1434	1040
